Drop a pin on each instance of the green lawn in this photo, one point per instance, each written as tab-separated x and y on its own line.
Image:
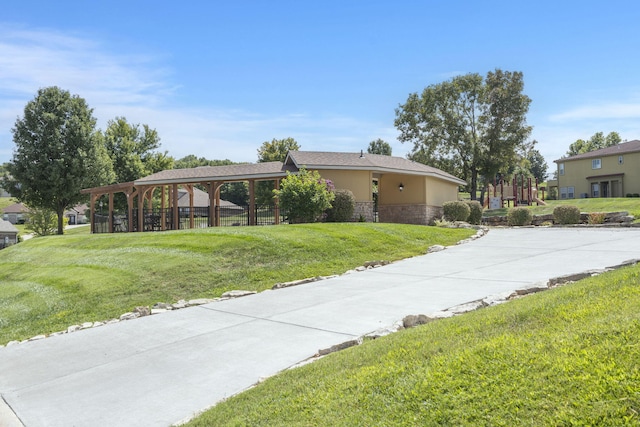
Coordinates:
629	204
6	201
50	283
566	357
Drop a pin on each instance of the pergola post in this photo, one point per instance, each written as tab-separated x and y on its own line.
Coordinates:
176	213
217	200
110	212
252	202
276	201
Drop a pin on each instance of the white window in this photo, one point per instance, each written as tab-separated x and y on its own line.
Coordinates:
561	168
563	192
571	192
596	164
595	189
620	160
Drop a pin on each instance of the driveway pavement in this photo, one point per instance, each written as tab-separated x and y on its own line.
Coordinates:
161	369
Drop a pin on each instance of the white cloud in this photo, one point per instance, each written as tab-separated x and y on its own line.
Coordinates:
139	88
599	112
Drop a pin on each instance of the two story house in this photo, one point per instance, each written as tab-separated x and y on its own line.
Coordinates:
609	172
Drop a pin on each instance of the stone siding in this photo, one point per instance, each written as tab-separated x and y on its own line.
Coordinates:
409	214
365	209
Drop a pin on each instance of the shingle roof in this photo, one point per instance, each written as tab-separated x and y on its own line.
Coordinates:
295	160
15	208
7	227
200	199
268	170
614	150
365	161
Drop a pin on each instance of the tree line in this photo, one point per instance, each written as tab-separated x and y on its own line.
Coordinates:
471	126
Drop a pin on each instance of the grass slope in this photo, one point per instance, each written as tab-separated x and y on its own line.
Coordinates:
49	283
568	356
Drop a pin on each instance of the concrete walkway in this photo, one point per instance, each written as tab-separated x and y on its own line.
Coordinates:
161	369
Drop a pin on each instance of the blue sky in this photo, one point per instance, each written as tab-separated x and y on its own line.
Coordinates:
217	79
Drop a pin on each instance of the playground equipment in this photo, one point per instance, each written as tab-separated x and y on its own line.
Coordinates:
520	191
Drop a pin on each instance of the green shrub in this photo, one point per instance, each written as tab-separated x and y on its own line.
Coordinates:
566	214
475	212
519	216
304	196
596	217
456	211
342	207
636	195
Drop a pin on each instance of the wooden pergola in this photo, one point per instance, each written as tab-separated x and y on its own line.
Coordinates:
140	194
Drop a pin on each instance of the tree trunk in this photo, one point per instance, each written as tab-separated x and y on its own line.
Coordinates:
474	183
60	220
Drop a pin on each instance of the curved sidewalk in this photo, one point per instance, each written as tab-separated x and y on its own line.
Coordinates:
161	369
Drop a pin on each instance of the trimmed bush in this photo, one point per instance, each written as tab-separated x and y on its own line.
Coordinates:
342	207
456	211
566	214
519	216
596	217
475	212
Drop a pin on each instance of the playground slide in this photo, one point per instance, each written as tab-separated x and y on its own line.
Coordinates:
539	202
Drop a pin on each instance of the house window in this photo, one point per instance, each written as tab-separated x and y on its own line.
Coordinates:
563	192
620	160
561	168
595	189
596	164
571	192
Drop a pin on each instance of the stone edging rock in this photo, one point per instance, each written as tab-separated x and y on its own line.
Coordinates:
161	307
414	320
611	219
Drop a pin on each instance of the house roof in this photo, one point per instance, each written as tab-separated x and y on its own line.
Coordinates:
614	150
200	199
295	160
7	227
241	172
365	161
15	208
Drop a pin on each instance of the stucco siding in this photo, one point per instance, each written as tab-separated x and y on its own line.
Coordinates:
359	182
439	191
413	189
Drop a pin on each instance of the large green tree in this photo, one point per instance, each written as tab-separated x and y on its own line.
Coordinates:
596	142
272	151
379	146
133	150
469	125
57	153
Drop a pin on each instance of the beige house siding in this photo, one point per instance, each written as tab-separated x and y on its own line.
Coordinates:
613	179
359	182
439	191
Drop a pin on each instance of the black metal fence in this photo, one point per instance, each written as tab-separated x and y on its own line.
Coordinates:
162	219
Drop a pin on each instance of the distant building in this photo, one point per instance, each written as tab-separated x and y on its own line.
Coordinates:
15	214
8	234
609	172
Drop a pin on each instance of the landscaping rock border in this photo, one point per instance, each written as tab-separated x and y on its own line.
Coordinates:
413	320
611	219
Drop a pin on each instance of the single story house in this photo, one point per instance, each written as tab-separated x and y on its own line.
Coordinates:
8	234
608	172
15	213
77	214
408	192
201	200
